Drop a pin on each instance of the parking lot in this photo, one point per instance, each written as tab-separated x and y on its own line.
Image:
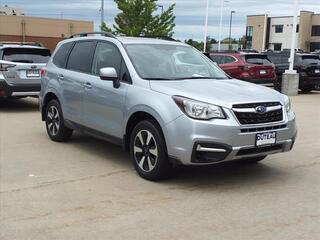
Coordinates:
88	189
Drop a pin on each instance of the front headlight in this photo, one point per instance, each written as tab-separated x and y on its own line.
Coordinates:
199	110
287	103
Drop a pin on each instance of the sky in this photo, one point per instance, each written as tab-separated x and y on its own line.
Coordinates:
190	14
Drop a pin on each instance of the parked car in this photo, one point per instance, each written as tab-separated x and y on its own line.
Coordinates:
163	101
307	65
20	65
250	67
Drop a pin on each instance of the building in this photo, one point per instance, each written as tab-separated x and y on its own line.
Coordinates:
277	33
10	11
48	31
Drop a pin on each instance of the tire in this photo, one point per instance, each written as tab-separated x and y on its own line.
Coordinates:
149	152
254	159
56	128
306	89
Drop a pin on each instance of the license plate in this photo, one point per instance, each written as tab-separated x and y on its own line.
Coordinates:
267	138
317	71
33	73
263	72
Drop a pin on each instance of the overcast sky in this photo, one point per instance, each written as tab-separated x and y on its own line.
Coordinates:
190	13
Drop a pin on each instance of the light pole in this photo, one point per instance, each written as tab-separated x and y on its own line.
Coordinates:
293	34
102	12
265	30
220	26
230	27
206	28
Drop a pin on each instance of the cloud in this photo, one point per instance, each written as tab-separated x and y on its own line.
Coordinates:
189	13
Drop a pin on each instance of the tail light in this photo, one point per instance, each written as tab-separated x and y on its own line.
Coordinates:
42	72
5	67
245	67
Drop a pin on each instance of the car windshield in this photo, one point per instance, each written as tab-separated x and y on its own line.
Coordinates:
172	62
26	55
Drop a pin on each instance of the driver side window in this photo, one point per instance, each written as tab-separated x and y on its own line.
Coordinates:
106	55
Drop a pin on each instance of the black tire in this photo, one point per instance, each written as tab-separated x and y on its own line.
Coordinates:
56	128
151	162
254	159
306	89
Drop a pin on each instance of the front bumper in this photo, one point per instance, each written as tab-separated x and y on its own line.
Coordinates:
190	142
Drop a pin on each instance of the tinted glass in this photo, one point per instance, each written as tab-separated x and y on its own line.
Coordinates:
227	59
216	58
80	58
279	28
315	30
60	57
310	60
159	62
106	55
257	59
26	55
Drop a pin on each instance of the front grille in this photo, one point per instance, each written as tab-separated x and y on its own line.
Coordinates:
258	150
246	118
262	129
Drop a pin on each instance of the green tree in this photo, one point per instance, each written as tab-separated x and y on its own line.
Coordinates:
105	28
199	45
137	17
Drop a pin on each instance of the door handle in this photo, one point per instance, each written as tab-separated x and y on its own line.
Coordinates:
87	85
60	77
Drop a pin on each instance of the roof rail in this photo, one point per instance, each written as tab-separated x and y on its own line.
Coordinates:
22	43
161	37
85	34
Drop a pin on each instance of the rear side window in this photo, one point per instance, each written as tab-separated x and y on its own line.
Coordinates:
26	55
227	59
60	57
257	59
216	58
80	58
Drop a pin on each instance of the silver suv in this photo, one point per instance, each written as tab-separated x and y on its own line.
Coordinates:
20	68
163	101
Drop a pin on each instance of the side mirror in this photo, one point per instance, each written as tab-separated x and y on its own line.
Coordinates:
110	74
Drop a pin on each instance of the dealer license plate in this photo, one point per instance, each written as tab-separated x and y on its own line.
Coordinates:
33	73
267	138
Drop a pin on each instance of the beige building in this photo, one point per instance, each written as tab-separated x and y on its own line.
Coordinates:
277	33
47	31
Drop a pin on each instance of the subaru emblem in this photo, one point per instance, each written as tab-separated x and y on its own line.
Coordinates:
261	109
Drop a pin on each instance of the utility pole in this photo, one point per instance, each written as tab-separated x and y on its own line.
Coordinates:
232	12
102	11
265	30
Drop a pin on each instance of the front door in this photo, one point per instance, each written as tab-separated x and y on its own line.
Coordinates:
103	105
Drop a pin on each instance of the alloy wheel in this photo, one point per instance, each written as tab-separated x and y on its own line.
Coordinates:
145	150
53	120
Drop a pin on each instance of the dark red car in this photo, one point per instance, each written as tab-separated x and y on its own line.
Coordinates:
251	67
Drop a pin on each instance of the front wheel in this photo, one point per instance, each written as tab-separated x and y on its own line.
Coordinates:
148	151
56	128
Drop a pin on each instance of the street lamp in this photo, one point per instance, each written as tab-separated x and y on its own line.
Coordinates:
220	27
265	30
206	28
231	13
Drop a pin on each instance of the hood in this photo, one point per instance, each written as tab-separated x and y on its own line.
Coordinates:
219	92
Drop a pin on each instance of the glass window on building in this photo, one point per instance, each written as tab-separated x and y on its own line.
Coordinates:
278	28
315	30
277	46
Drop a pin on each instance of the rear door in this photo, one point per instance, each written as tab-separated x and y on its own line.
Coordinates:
259	66
25	64
78	70
103	105
229	64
